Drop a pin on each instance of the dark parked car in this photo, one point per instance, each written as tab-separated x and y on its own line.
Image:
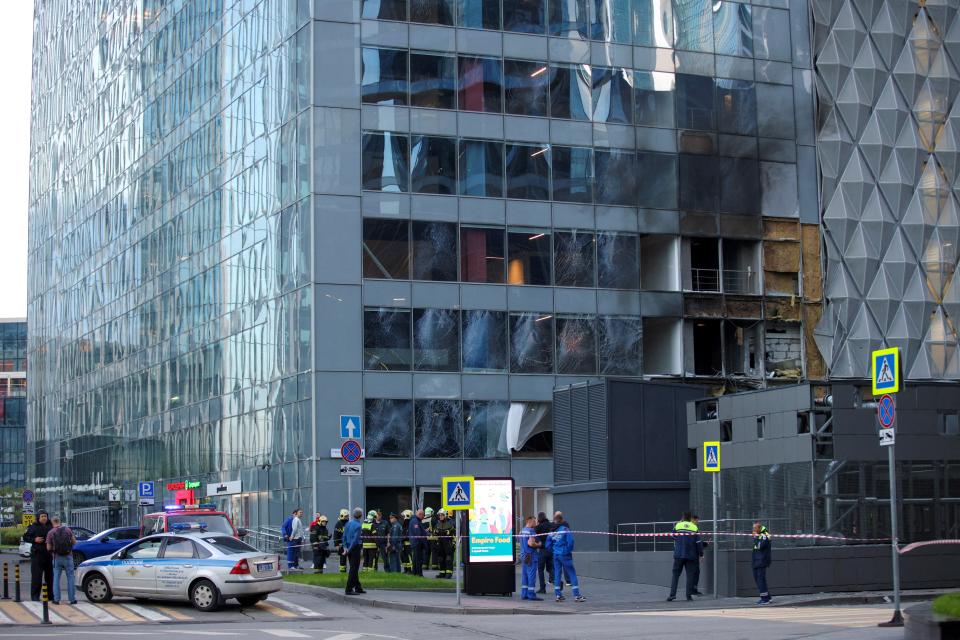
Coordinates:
104	543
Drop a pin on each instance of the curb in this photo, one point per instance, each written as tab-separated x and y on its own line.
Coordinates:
852	599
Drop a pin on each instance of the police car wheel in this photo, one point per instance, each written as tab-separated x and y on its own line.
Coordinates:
204	595
96	588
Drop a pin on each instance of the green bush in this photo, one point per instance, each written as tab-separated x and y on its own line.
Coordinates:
11	535
948	605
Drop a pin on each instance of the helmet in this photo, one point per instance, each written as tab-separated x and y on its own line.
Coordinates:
371	514
322	518
344	513
407	513
442	512
428	511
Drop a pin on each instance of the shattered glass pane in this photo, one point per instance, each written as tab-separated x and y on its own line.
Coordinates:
618	264
484	340
576	345
620	345
531	343
573	258
484	422
436	339
386	339
434	251
389	428
439	432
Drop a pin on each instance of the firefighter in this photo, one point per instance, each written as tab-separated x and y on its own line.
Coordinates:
338	538
381	531
367	535
430	544
444	530
406	556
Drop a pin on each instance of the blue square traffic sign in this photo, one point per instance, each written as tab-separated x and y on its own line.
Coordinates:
145	489
885	370
350	427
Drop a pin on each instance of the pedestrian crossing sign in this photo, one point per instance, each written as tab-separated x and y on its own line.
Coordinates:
711	456
886	371
457	492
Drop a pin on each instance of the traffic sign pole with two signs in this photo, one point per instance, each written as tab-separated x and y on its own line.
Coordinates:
351	452
711	464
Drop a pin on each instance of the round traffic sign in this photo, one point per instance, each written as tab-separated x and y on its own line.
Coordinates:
27	495
350	451
886	411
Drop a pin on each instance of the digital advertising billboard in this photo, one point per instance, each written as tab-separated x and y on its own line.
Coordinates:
491	521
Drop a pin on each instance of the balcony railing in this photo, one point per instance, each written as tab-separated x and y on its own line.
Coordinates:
732	281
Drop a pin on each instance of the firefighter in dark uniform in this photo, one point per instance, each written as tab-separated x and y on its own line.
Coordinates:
381	531
338	538
430	547
445	532
406	555
368	536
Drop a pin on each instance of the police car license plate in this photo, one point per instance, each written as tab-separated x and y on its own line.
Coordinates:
264	566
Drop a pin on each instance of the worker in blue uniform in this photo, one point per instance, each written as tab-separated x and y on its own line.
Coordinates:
686	554
529	560
762	557
560	543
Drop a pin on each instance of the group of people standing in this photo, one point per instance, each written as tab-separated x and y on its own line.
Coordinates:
547	546
51	555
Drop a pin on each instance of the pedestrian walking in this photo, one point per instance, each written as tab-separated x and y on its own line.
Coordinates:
417	541
352	546
41	561
686	554
293	533
338	538
560	543
394	544
762	558
60	541
319	542
529	559
545	563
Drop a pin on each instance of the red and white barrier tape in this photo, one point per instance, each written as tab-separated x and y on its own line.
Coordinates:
926	543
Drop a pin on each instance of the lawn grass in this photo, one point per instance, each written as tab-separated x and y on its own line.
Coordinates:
948	605
373	580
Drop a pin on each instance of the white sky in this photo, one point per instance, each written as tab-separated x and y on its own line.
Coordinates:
16	34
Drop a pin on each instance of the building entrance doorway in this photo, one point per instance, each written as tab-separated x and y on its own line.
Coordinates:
389	499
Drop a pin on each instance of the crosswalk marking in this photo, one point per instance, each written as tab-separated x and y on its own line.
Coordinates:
277	611
95	612
285	633
119	612
346	636
173	613
296	607
36	608
17	612
149	614
829	616
72	614
4	619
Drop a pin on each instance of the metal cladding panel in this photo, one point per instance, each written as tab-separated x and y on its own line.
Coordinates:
598	431
580	412
562	437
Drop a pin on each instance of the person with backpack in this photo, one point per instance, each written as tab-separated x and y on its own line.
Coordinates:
293	531
41	567
60	541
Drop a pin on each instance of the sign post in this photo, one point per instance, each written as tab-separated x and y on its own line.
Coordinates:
711	464
885	380
351	452
457	494
351	429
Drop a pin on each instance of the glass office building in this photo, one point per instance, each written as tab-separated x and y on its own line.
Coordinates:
249	219
13	402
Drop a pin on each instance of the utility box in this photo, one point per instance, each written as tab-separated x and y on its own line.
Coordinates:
620	454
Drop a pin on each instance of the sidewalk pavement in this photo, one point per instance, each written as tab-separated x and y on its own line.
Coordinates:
603	596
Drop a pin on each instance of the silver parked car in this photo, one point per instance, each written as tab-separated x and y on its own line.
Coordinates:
205	569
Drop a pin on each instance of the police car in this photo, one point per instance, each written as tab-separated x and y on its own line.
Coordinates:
188	564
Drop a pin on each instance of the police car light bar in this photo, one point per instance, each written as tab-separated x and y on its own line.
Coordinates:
207	505
173	507
189	526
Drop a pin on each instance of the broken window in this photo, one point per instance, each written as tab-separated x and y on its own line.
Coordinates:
706	352
618	346
742	341
439	432
436	339
704	265
389	433
484	338
658	263
726	431
576	345
434	251
484	426
741	262
783	350
573	258
386	339
662	346
618	265
531	343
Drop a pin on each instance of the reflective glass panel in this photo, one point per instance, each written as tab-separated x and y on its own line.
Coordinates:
439	428
771	34
619	345
739	185
528	256
386	248
612	91
571	94
481	84
657	180
531	343
695	102
568	18
384	10
389	428
618	263
694	25
573	258
576	345
528	172
482	254
736	103
436	340
485	425
525	16
698	182
478	14
572	173
386	339
615	177
434	165
611	20
732	29
384	76
653	23
385	161
481	168
434	251
775	117
653	94
484	336
526	87
433	81
432	11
